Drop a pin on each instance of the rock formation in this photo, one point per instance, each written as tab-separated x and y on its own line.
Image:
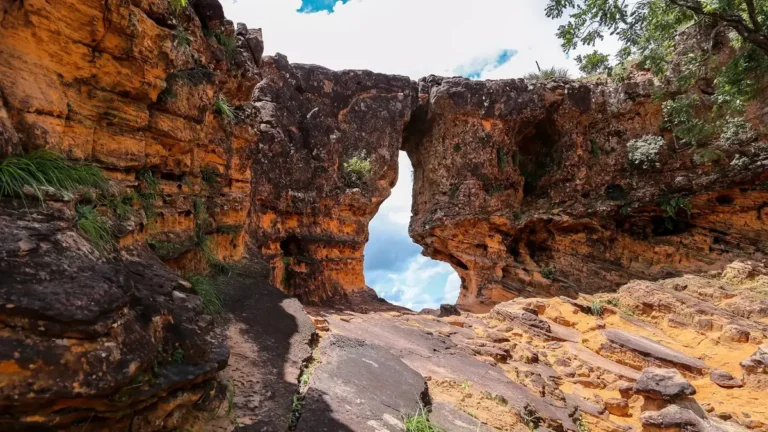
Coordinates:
216	155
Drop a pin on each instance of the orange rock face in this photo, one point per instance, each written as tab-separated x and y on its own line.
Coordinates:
531	189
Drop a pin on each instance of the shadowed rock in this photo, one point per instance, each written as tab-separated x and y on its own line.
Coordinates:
666	384
654	352
725	379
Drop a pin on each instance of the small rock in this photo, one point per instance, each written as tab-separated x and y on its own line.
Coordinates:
752	424
707	407
725	416
588	383
725	379
497	337
733	333
617	406
661	383
672	418
626	389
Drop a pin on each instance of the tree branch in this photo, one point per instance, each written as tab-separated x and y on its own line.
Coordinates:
732	20
753	15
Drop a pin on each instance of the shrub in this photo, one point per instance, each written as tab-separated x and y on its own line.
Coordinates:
229	44
41	169
645	152
181	38
95	227
548	272
547	73
419	422
672	205
530	418
122	206
209	295
707	157
177	5
222	107
740	162
737	131
357	170
209	176
680	116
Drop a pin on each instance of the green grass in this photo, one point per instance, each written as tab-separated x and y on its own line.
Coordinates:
596	308
95	227
547	73
229	44
165	249
181	38
149	192
582	425
531	418
206	289
230	397
465	385
357	170
122	206
222	107
177	356
419	422
615	302
41	169
178	5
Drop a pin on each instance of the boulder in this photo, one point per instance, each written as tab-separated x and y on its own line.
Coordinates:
734	333
617	406
756	368
666	384
725	379
673	418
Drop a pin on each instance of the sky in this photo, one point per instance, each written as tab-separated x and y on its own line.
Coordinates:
477	39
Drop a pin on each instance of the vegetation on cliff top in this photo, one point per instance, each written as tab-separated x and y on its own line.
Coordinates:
648	30
43	169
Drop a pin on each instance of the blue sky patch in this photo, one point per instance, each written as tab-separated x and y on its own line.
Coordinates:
474	69
313	6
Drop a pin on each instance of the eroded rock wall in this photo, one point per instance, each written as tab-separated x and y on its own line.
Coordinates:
118	340
310	211
515	180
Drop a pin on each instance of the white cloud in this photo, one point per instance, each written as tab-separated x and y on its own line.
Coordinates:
408	37
451	290
423	283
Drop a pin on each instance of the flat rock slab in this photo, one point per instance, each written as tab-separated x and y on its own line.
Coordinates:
655	352
360	386
269	338
661	383
452	419
440	357
598	361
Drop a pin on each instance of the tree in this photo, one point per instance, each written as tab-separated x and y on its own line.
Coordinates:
648	29
594	62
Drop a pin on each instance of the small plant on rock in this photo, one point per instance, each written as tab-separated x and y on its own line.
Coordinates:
357	170
419	422
548	272
547	73
736	132
645	152
222	107
95	227
596	308
206	289
530	418
178	5
181	38
680	116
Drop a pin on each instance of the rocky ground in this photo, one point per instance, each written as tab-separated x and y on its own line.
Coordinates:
685	353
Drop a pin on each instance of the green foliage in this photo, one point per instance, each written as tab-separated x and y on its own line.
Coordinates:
465	385
222	107
210	176
548	272
95	227
501	159
122	206
499	399
181	38
615	302
582	425
229	229
647	30
44	169
229	44
595	308
707	157
209	294
230	397
673	205
357	170
645	152
178	5
177	356
165	249
419	422
737	131
149	192
593	63
296	405
547	73
680	116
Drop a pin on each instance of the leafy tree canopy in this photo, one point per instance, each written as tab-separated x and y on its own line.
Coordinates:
648	29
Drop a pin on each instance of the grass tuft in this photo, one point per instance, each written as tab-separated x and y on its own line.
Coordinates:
206	289
548	272
222	107
95	227
149	192
41	169
596	308
419	422
178	5
547	73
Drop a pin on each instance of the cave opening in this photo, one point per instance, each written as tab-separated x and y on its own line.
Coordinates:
393	264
